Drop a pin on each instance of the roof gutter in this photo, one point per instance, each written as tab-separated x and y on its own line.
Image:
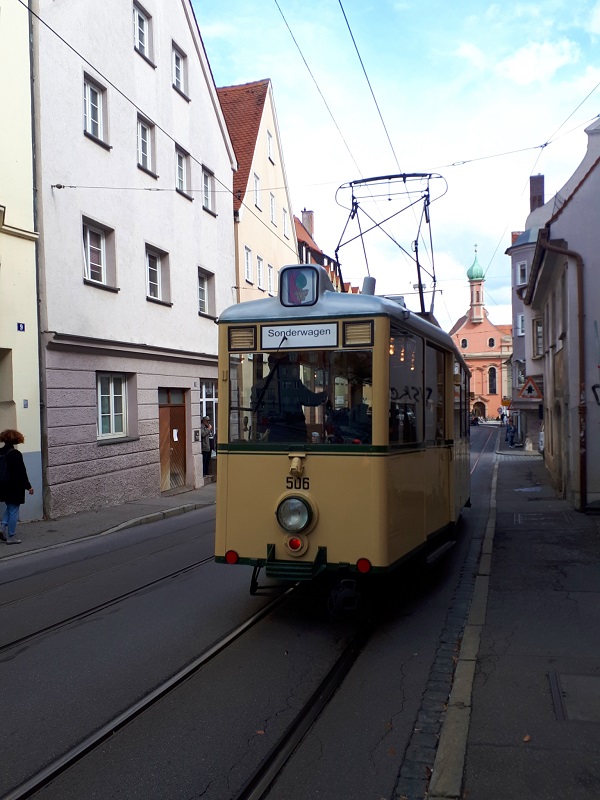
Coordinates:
545	245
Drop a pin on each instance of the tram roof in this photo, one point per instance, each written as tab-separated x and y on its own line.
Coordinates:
335	304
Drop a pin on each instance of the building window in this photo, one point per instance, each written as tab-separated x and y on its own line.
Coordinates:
520	324
98	254
491	342
260	272
157	276
112	405
492	381
93	109
522	272
284	215
94	254
208	190
272	208
538	338
256	190
179	70
270	146
205	291
142	33
145	145
248	264
209	402
182	166
153	275
270	278
463	344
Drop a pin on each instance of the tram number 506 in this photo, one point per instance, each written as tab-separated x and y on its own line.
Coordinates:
297	483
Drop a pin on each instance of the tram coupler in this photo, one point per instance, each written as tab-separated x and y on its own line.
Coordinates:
344	597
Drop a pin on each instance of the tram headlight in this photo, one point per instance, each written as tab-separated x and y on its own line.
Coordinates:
294	514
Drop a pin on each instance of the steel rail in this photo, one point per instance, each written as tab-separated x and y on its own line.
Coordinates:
87	745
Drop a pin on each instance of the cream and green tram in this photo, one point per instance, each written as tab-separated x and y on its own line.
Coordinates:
343	437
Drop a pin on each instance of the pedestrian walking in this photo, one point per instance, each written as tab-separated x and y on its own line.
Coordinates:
206	433
13	484
510	433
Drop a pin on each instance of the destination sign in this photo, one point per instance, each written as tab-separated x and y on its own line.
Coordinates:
295	336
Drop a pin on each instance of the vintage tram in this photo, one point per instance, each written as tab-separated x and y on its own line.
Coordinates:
343	436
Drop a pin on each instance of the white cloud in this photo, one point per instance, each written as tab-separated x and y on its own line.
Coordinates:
538	61
593	25
472	54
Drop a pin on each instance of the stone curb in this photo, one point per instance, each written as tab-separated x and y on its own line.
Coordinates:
448	768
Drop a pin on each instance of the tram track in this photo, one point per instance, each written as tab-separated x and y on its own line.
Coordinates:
86	746
22	640
265	775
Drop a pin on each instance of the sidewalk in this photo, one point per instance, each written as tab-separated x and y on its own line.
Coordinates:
523	718
57	532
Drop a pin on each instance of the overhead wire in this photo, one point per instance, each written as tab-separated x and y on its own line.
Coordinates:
158	127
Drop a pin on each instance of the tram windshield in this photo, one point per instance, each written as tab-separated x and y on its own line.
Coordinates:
301	397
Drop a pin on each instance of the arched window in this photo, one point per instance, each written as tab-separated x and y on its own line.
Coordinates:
491	342
492	380
463	344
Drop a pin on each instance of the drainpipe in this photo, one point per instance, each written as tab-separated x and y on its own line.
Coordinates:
563	251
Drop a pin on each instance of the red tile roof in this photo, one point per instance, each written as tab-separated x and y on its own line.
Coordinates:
304	236
243	108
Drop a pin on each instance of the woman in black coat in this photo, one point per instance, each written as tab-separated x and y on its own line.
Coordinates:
12	490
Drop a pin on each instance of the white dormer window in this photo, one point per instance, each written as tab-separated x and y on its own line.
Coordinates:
522	273
270	146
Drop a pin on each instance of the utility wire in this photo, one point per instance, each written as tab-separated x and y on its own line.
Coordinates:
150	120
370	87
318	88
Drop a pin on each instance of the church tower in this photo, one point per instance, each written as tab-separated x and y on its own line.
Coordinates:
475	274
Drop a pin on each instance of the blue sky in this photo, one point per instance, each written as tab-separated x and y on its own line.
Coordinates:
454	82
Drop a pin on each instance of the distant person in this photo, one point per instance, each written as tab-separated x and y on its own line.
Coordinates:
206	433
13	484
502	418
278	400
510	432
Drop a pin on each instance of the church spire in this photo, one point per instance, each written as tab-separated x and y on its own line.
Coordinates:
476	276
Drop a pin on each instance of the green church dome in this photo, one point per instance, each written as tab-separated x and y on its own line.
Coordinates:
475	272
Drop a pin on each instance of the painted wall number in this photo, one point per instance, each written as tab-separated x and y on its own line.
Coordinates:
297	483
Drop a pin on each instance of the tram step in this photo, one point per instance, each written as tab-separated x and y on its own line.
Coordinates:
290	570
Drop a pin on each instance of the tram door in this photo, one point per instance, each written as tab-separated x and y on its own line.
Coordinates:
172	436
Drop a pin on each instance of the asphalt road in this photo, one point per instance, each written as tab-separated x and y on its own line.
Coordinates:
205	737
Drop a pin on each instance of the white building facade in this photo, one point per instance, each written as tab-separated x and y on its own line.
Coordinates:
562	320
19	353
134	179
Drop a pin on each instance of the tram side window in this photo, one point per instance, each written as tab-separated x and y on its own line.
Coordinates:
406	388
435	393
461	417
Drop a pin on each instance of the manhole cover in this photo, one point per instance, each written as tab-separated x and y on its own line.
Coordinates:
576	697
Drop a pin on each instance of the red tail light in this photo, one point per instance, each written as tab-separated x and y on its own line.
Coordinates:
231	557
363	565
295	544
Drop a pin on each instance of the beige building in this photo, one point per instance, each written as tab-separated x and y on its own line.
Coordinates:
265	235
19	361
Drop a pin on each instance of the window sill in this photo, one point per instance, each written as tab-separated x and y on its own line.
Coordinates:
206	315
251	283
145	57
117	440
95	139
210	211
158	302
99	285
148	171
182	93
185	194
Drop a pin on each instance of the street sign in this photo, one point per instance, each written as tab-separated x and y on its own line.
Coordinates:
530	390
